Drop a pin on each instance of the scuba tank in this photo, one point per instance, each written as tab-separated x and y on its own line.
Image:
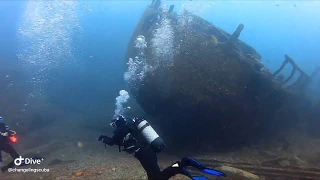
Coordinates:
150	135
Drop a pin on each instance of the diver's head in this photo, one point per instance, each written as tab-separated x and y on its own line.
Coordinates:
118	121
1	119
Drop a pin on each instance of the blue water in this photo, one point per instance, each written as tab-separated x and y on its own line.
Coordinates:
96	35
65	60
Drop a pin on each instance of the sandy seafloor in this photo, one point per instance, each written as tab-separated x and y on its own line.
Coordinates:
58	144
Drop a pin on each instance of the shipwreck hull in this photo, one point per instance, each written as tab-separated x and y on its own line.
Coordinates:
215	93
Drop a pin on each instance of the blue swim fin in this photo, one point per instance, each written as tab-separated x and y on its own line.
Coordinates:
213	172
194	163
186	173
199	178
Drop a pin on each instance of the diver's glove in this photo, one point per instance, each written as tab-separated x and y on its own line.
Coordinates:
106	140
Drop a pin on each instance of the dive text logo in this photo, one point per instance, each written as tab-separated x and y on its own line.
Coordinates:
27	161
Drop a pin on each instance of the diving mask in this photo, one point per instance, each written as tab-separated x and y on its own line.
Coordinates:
117	121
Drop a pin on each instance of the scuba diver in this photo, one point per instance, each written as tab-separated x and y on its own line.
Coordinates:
137	137
7	136
5	145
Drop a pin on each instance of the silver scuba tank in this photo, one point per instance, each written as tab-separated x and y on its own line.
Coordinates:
150	135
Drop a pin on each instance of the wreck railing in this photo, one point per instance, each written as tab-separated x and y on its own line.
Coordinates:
302	80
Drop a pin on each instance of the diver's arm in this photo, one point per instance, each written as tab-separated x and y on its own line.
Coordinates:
3	129
106	140
119	134
117	138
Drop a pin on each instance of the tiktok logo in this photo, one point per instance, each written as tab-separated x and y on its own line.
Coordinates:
25	161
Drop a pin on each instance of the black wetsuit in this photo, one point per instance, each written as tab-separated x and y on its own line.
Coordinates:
149	162
134	143
6	146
